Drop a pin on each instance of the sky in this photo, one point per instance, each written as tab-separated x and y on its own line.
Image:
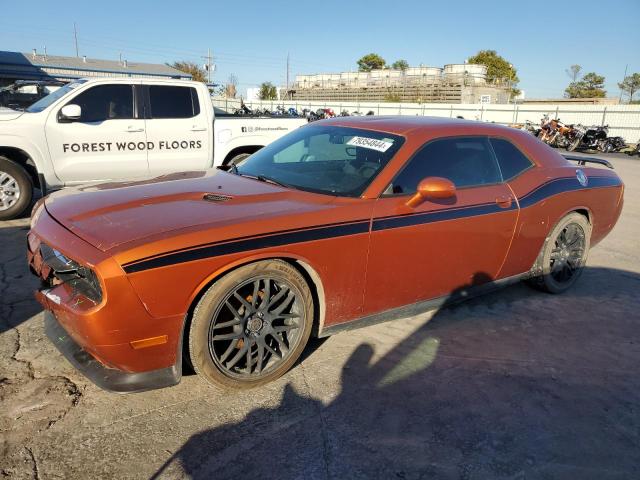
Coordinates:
251	39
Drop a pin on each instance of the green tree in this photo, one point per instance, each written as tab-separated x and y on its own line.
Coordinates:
630	85
197	73
591	86
268	91
499	70
400	65
371	61
574	72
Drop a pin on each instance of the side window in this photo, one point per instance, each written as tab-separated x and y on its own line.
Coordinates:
466	161
512	161
173	102
106	102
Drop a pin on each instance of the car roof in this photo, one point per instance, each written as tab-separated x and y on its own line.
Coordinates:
403	124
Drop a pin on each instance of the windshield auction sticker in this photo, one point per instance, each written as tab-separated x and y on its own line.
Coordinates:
372	143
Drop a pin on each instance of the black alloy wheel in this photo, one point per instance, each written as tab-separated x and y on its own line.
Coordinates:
566	256
563	255
251	325
255	327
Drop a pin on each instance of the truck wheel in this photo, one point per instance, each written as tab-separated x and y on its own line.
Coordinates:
251	326
563	255
16	189
238	159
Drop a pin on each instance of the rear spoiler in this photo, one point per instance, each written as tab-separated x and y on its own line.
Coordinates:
585	160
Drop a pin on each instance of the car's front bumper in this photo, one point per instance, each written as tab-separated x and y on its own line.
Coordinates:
110	379
113	340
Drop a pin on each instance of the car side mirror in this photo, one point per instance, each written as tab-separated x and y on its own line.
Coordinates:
432	188
70	113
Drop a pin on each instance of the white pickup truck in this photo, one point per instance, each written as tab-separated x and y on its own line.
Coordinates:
120	129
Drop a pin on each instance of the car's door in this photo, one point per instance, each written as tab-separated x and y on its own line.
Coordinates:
178	128
107	142
440	246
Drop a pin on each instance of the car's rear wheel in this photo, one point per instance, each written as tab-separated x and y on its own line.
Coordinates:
251	326
16	189
563	255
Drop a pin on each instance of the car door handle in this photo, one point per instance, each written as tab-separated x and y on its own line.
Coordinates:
504	201
197	129
134	130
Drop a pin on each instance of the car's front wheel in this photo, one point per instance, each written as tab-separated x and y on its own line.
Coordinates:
251	326
563	255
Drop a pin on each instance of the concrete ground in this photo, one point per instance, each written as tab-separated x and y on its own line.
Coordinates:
516	384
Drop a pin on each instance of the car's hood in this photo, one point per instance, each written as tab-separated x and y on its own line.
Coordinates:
108	215
9	114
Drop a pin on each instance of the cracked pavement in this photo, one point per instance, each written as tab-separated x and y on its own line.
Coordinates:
516	384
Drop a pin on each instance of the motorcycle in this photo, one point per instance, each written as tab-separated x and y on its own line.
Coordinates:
545	128
574	137
589	139
611	144
636	150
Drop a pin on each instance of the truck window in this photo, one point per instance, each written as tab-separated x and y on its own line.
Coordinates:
173	102
105	102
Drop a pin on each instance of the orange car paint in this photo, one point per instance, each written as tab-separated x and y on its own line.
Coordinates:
156	245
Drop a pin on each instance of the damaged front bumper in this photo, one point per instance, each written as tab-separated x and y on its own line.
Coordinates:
109	379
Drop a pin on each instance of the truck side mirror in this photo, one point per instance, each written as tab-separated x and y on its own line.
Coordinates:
70	113
432	188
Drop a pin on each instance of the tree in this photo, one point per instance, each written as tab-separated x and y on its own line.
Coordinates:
630	85
574	72
591	86
268	91
231	88
400	65
197	73
499	70
371	61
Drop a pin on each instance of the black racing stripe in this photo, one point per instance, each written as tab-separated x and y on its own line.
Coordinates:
561	185
285	237
439	216
227	248
209	244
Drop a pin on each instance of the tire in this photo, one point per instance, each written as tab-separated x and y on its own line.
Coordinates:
238	159
224	323
16	189
574	145
563	255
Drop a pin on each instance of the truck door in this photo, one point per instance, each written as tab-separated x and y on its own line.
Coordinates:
107	141
179	129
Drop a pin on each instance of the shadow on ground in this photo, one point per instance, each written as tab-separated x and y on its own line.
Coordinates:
486	389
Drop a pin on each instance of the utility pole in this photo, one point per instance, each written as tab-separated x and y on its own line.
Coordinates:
75	37
287	86
209	64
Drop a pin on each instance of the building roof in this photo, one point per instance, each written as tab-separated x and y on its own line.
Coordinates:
39	61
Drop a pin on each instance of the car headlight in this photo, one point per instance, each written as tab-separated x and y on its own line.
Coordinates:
80	277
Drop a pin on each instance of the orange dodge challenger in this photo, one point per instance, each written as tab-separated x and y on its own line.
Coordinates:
341	223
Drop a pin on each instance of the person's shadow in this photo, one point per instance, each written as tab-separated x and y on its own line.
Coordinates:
507	394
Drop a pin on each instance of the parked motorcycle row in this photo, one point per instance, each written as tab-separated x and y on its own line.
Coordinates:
555	133
310	115
551	131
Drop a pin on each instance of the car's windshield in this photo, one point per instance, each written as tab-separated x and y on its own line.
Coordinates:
44	102
332	160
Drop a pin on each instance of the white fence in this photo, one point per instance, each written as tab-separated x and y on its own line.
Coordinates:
623	120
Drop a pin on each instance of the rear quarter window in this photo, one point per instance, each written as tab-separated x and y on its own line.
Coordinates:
173	102
511	160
